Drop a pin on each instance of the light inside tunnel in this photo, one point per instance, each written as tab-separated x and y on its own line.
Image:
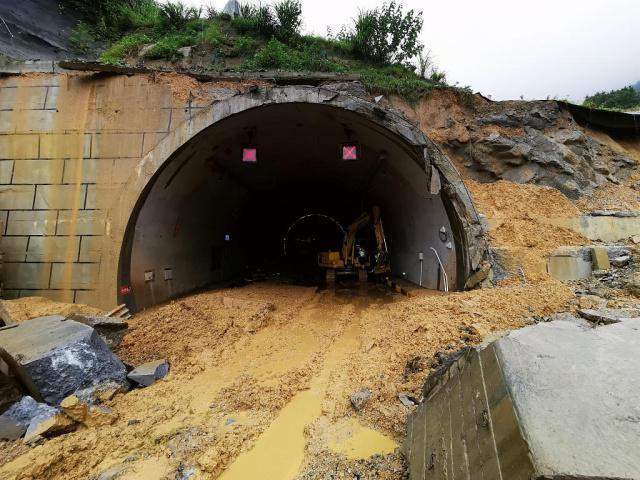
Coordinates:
214	213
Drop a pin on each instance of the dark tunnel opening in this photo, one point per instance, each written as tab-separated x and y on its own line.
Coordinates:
261	193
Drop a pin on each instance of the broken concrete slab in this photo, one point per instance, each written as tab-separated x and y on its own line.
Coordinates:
600	258
149	373
60	356
606	316
570	263
554	400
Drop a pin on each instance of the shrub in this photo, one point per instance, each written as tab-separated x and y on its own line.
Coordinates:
176	16
255	21
387	35
124	47
212	34
244	46
289	15
395	80
277	55
81	38
167	47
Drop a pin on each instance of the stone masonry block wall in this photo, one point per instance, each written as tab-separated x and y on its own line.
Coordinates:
67	145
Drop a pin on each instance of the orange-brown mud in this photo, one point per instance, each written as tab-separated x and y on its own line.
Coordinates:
271	364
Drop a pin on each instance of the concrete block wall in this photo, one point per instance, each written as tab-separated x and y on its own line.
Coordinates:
67	145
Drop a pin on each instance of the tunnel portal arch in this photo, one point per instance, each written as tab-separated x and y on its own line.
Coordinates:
170	159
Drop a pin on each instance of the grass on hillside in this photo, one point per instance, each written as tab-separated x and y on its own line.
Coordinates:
252	41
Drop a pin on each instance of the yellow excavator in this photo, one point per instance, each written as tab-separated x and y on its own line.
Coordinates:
353	259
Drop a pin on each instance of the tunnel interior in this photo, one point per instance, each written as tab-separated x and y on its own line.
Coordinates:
262	192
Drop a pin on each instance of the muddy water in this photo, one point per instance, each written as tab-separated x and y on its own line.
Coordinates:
279	452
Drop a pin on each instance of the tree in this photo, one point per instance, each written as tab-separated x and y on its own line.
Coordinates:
623	99
387	34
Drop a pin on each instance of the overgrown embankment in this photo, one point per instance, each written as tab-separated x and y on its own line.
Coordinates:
381	45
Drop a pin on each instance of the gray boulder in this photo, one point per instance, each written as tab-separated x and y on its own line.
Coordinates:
60	356
149	373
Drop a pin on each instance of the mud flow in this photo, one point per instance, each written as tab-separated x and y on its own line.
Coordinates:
262	378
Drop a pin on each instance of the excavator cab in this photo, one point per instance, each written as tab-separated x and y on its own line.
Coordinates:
361	254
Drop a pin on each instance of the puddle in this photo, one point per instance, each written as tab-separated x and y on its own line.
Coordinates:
279	451
352	439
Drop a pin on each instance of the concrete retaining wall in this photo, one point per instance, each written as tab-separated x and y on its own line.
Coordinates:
556	400
67	144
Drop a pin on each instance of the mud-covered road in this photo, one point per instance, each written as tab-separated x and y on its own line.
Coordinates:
261	379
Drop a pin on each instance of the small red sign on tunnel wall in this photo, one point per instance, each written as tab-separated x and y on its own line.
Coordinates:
250	155
349	152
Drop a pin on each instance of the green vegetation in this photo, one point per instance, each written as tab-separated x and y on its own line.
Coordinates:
127	45
627	98
381	45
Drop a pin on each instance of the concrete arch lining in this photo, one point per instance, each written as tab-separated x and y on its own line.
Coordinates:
466	226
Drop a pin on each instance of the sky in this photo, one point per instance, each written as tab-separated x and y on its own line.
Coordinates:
507	49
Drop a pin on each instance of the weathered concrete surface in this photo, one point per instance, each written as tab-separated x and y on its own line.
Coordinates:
570	263
553	401
61	356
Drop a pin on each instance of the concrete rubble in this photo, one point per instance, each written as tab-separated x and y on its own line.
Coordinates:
554	400
149	373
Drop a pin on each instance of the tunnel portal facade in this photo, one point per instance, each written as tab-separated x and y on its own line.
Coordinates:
121	188
265	180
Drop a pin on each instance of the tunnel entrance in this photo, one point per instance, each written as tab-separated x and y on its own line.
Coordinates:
262	192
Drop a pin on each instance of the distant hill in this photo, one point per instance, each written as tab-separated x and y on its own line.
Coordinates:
624	99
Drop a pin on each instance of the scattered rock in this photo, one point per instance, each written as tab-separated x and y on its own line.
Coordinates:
27	409
149	373
478	276
414	365
600	258
590	301
48	425
100	416
145	50
75	408
11	429
619	262
133	421
113	473
408	400
100	393
635	239
111	329
185	52
360	399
